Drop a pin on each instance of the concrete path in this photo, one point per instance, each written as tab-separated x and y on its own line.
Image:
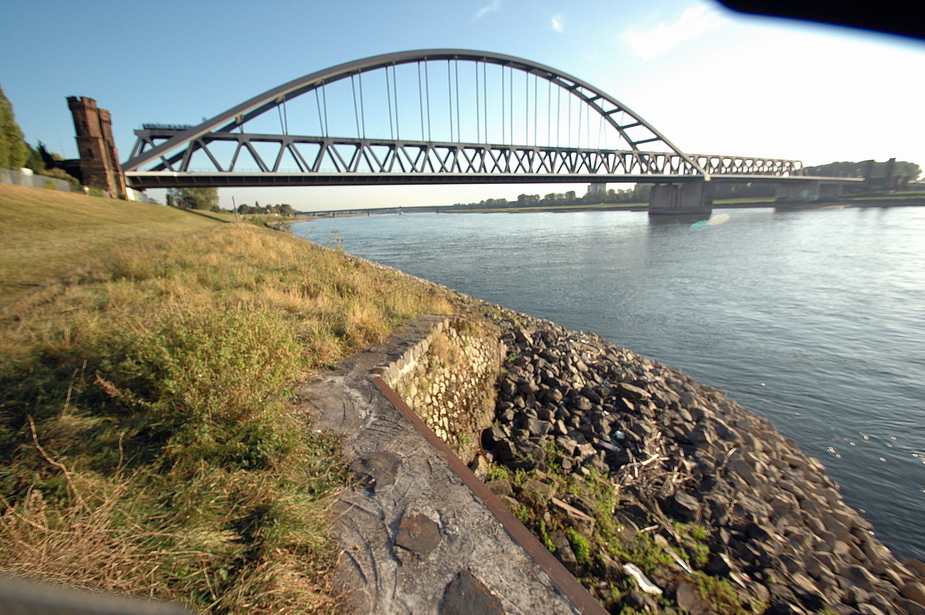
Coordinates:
417	538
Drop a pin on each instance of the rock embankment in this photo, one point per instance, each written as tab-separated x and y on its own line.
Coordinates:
709	509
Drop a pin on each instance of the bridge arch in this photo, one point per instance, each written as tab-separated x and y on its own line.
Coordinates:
499	151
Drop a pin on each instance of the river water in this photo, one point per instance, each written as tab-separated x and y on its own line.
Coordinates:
814	319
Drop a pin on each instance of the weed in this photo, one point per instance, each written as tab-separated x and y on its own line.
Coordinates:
544	537
580	546
522	513
497	472
719	593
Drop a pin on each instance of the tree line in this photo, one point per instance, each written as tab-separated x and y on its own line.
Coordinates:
207	199
281	209
909	171
594	196
16	153
867	168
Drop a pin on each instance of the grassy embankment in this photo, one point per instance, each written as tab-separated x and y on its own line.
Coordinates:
145	443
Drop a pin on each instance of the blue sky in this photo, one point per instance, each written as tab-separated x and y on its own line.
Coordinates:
712	81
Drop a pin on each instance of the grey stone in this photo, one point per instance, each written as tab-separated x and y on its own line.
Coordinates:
494	434
376	470
812	566
553	395
633	391
641	601
701	436
916	566
689	599
509	502
869	609
780	608
466	595
683	506
836	527
855	595
564	551
860	577
913	591
418	533
537	427
500	487
718	565
912	608
505	451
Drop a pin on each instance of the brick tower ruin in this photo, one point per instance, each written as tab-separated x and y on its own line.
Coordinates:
99	160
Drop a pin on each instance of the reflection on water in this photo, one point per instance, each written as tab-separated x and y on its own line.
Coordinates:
815	319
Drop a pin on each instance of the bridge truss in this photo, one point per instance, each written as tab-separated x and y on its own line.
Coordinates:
418	117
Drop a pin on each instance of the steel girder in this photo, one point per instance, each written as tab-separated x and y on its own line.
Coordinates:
319	160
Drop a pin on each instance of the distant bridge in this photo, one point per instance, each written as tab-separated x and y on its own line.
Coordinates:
445	116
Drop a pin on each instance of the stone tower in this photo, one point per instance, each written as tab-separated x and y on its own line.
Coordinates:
99	160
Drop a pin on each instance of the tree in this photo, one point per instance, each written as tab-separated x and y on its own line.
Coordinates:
13	149
34	161
909	170
193	198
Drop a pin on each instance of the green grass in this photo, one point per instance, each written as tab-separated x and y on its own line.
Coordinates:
146	440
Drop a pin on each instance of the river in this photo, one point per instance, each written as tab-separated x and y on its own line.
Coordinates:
814	319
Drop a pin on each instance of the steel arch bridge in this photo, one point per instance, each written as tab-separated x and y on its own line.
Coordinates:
459	117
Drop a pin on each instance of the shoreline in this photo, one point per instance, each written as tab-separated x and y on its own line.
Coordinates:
775	528
898	200
759	526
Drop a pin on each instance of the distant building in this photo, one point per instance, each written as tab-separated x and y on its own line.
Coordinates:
597	188
99	160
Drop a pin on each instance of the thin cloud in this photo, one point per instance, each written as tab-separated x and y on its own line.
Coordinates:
694	22
558	23
493	6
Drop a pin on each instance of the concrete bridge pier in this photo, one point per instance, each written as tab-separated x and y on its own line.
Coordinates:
684	198
802	191
812	190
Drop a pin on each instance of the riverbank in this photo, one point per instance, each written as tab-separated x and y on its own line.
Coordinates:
108	356
146	437
657	492
808	318
893	200
615	460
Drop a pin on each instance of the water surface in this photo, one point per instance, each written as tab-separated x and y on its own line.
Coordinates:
814	319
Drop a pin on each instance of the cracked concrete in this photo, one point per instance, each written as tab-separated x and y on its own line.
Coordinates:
415	537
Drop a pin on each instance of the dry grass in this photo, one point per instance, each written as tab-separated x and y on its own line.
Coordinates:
145	442
43	234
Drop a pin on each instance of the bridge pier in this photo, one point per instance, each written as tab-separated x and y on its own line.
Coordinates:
681	198
813	190
803	191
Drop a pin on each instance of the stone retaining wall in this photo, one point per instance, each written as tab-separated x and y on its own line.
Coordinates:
19	178
449	379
